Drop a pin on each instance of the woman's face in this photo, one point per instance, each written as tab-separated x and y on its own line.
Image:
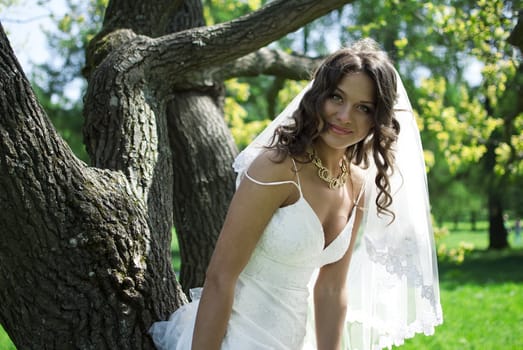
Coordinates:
348	112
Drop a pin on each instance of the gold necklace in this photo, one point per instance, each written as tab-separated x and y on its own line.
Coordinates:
324	173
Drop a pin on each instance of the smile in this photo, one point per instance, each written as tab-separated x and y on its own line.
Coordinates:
339	130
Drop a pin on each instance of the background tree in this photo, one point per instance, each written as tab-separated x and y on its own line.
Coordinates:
84	254
469	127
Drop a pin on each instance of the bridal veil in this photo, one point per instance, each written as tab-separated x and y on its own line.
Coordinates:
393	290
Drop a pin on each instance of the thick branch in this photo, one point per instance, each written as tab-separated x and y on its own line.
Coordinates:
121	130
179	56
270	62
150	18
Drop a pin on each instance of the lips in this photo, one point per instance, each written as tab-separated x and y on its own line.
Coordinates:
339	130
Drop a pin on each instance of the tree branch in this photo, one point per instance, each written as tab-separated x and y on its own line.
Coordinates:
270	62
150	18
177	56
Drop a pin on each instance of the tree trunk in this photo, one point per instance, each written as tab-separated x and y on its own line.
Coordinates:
79	267
516	35
204	181
84	251
473	220
498	234
497	231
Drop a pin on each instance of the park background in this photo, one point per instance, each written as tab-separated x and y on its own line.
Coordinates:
464	79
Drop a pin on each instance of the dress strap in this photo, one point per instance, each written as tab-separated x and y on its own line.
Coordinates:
362	189
272	183
297	175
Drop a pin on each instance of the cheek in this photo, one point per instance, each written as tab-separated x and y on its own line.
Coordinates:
370	125
329	108
366	125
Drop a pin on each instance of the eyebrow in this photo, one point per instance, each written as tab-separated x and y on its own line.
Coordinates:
363	101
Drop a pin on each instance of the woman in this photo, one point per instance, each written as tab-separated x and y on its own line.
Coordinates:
297	209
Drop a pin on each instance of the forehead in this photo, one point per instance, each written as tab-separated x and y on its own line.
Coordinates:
358	86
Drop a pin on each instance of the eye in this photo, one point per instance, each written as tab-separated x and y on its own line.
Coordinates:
365	109
336	98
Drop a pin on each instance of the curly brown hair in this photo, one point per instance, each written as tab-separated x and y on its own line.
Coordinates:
364	56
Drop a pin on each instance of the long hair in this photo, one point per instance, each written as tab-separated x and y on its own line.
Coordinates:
364	56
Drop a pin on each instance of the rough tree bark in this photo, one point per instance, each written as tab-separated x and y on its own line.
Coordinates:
84	250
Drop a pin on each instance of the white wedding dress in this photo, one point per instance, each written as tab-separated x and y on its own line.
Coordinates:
271	299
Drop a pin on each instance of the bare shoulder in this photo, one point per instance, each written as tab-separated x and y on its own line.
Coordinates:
269	167
357	177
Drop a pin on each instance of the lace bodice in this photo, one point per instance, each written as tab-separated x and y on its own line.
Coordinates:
294	239
290	249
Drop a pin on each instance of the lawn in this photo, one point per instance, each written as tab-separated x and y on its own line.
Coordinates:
482	298
482	304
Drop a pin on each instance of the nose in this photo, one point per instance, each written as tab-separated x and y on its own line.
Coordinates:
344	113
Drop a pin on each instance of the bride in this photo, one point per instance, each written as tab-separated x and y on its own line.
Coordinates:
329	226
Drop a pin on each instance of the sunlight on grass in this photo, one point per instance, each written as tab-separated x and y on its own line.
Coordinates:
5	342
477	317
175	253
482	304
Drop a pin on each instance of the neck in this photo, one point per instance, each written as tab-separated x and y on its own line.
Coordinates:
329	157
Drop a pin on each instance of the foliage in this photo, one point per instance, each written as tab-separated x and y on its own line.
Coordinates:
242	130
67	120
459	124
68	43
7	3
54	80
218	11
455	253
244	125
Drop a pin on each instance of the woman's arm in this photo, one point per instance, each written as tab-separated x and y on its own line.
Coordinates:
249	212
330	295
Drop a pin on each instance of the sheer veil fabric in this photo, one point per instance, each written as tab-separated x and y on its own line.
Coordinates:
393	288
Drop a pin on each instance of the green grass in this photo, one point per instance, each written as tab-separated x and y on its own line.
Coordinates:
482	304
5	342
482	298
479	237
175	253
